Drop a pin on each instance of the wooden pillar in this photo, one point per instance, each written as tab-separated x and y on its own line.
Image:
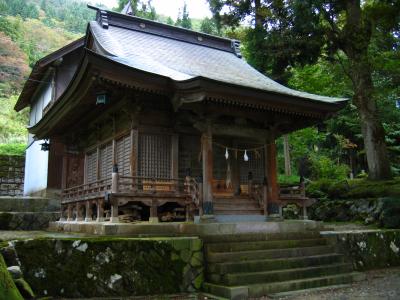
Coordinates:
100	211
153	212
88	217
69	213
62	216
114	200
64	171
98	163
79	216
207	159
134	152
271	174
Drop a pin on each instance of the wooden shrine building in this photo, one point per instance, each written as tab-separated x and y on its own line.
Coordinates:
147	121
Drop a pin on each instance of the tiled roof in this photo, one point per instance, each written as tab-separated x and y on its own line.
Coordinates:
183	60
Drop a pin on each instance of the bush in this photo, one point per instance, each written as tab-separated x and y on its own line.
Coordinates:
288	180
323	167
12	149
390	215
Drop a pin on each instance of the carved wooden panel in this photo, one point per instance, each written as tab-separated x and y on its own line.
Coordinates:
106	154
155	155
75	166
91	167
123	155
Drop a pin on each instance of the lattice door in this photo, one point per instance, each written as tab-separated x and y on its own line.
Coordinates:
155	155
91	168
123	155
106	161
255	165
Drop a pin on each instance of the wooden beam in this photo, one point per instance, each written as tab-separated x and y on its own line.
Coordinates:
174	155
234	131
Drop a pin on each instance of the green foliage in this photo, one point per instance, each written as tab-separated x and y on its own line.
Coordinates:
324	167
389	217
23	8
288	180
12	149
183	19
8	290
12	124
209	26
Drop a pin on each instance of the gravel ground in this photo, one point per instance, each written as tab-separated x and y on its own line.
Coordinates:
381	284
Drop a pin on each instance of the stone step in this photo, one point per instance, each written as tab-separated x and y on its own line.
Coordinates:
29	204
233	279
261	236
274	264
262	245
238	212
265	289
268	254
258	290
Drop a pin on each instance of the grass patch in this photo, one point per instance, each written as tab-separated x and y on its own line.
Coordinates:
288	180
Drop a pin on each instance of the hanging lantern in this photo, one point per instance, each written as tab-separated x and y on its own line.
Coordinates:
245	157
226	154
45	146
102	98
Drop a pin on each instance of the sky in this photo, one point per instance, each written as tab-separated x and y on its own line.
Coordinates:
198	9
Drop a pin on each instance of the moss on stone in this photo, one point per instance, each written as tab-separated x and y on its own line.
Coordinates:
8	289
24	288
104	267
5	219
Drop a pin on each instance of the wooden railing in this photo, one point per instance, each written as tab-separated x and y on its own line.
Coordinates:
85	191
135	185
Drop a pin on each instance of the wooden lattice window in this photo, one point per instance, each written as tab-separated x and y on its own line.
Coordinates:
91	167
123	155
106	153
155	155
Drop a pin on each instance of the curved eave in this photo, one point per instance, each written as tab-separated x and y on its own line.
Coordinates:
94	64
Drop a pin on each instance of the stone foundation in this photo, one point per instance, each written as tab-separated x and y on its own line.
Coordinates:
370	249
12	175
106	267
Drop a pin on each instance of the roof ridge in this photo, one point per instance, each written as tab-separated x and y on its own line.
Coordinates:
107	17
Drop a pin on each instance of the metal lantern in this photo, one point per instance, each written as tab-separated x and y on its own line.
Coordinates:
45	146
102	98
245	157
226	153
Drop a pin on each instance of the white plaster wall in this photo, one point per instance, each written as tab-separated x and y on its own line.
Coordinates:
36	160
36	165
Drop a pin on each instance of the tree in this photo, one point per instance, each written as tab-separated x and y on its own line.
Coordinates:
338	29
143	9
209	26
184	20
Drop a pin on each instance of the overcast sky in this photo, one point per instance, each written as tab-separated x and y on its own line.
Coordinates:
197	8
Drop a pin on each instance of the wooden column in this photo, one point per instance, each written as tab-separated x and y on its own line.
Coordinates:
88	216
153	212
114	200
271	173
134	152
100	211
69	213
207	159
79	216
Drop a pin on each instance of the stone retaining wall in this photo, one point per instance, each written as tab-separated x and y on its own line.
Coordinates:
11	175
106	267
371	249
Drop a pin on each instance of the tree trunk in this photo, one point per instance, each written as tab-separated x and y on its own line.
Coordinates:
357	35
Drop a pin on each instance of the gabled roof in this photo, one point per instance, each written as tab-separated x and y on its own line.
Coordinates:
39	71
181	54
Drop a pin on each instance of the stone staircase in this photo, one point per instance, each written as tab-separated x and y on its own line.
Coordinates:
249	266
236	205
27	213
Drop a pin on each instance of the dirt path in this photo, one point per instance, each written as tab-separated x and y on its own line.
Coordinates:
380	285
